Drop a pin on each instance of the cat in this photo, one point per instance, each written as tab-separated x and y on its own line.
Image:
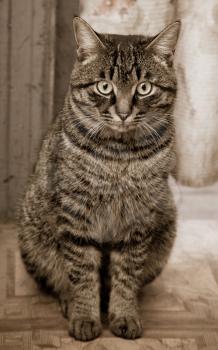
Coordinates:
98	209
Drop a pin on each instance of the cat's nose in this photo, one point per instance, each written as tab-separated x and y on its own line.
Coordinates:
123	116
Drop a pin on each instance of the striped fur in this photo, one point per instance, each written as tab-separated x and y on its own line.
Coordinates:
98	210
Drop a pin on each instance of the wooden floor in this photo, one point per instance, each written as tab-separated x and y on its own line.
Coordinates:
179	310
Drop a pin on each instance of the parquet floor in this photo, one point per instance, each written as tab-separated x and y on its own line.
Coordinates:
179	310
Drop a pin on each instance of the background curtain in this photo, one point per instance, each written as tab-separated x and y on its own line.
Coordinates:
27	39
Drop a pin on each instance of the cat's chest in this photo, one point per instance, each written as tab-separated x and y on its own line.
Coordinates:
121	204
120	190
114	190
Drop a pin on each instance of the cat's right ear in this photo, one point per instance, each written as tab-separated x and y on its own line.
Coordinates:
165	42
87	40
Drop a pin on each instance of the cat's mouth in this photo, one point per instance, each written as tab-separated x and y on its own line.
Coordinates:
122	126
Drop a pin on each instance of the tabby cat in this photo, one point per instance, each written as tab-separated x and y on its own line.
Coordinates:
98	212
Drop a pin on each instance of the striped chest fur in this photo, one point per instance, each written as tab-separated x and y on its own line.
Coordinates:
105	193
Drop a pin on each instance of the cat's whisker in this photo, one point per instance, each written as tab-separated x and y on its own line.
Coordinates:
149	131
95	130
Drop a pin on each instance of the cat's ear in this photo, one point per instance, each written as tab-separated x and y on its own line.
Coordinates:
165	42
87	40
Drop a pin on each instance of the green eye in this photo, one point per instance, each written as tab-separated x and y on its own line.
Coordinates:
144	88
104	87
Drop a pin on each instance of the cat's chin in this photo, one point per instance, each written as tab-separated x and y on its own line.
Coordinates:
124	133
122	128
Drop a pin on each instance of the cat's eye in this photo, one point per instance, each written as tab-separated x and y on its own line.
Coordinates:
104	87
144	88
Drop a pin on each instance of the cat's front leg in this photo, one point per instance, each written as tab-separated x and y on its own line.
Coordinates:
137	263
127	275
82	263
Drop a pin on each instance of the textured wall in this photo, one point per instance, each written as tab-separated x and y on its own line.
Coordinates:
128	16
196	109
27	29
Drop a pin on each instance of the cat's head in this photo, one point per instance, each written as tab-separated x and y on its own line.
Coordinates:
123	82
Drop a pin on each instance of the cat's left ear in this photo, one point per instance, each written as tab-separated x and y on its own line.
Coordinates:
165	42
87	40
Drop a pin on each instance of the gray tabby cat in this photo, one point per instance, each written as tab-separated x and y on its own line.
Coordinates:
98	209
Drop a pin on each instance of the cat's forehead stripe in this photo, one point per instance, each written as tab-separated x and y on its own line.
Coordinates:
125	64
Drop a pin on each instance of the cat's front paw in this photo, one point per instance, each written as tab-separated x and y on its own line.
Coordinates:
128	327
84	328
